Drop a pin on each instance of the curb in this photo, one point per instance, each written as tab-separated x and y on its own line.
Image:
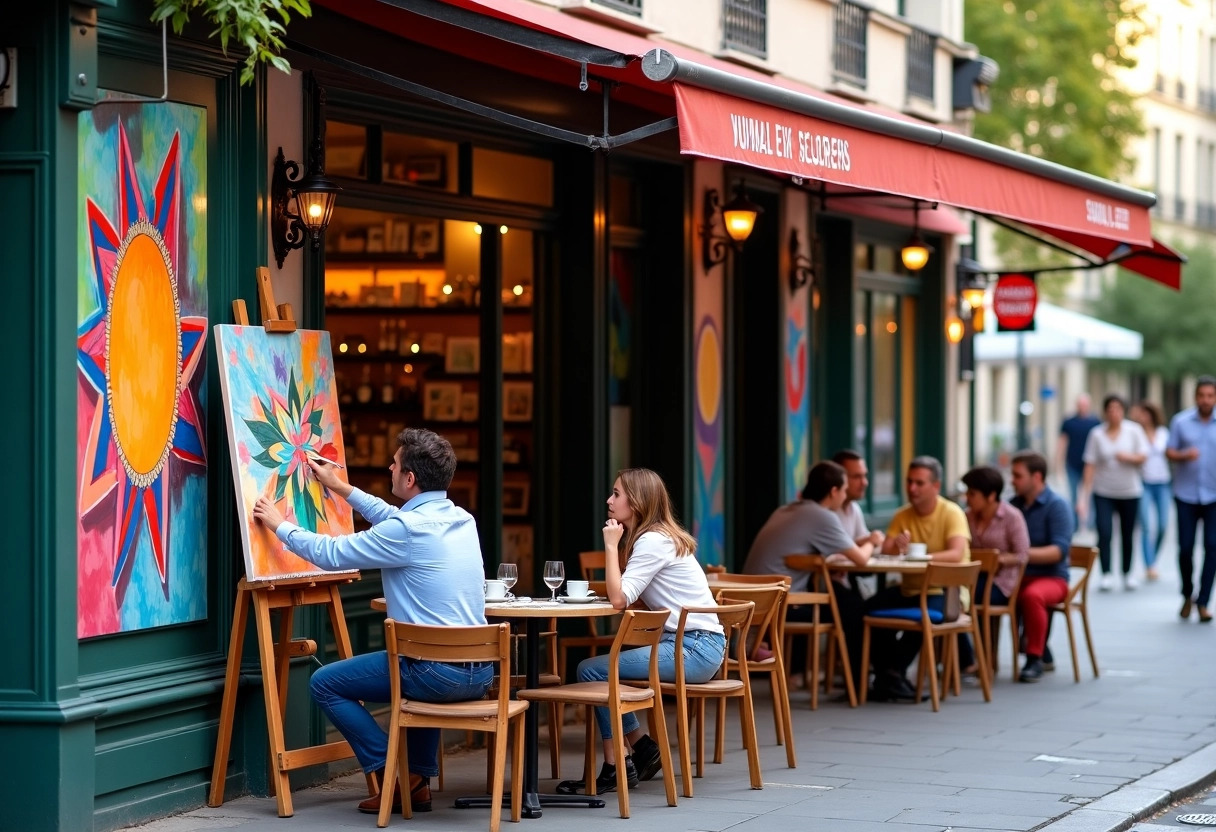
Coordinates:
1130	804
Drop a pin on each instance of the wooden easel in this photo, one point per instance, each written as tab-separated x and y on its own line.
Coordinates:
275	651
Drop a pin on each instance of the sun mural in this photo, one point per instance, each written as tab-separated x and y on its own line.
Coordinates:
137	355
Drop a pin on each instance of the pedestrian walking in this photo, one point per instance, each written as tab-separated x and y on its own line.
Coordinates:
1114	452
1070	449
1155	473
1192	449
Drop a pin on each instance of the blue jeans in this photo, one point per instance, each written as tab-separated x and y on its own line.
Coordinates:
703	654
339	687
1154	500
1189	515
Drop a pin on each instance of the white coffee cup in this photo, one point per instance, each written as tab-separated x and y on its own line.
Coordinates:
495	590
918	550
577	589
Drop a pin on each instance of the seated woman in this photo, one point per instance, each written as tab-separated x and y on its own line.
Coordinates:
663	573
994	525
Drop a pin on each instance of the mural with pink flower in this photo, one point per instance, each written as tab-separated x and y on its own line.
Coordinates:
280	406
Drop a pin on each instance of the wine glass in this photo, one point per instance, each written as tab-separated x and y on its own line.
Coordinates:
555	574
508	573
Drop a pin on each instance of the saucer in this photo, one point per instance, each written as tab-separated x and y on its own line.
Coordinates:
918	558
586	599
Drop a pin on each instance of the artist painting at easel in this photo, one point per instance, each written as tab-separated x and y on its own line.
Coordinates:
429	557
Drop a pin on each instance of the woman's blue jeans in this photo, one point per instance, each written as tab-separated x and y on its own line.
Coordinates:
1156	499
339	687
704	652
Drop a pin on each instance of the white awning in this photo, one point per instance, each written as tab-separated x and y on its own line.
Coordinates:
1060	333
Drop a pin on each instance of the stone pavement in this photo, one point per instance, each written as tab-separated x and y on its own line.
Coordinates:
1099	755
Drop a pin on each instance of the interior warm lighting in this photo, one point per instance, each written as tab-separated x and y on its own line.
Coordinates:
414	348
915	253
973	297
892	327
343	347
860	329
517	290
476	228
954	329
739	216
502	229
409	368
362	348
447	288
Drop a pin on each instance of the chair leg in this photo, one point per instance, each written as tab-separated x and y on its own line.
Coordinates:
813	665
1089	639
775	687
865	663
589	752
955	670
622	781
701	738
440	786
388	779
719	729
920	673
682	717
1072	646
840	647
828	678
555	739
787	727
1013	645
931	659
517	771
500	766
747	720
658	724
985	673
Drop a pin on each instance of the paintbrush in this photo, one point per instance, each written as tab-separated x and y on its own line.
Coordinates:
316	457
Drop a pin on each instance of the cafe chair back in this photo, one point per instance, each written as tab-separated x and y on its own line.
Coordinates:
1080	567
823	595
989	613
487	643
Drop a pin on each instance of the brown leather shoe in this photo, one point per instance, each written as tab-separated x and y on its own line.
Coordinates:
1205	617
1187	606
420	797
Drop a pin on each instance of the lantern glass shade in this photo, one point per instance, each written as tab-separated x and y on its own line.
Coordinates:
954	329
315	198
973	297
739	217
915	254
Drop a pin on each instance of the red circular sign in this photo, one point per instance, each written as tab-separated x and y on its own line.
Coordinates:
1014	300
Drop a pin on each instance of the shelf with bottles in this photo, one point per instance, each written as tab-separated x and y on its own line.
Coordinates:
373	311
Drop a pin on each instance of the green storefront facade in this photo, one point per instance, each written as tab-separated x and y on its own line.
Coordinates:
114	727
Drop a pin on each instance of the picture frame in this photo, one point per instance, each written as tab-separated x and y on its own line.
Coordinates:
441	401
375	239
517	401
432	343
468	406
463	354
426	240
464	494
409	293
512	353
515	499
397	238
428	170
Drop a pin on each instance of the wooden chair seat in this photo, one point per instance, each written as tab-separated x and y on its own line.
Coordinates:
585	693
484	709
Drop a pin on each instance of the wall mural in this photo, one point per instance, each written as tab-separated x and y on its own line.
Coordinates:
797	394
142	319
281	406
709	524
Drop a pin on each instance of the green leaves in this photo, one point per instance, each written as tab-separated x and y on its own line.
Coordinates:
258	26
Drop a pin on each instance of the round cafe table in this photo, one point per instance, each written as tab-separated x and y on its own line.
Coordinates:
534	613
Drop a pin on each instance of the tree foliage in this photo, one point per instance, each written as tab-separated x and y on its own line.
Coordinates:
1176	326
1058	96
256	25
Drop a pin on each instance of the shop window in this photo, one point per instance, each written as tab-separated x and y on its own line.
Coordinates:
346	149
512	177
420	162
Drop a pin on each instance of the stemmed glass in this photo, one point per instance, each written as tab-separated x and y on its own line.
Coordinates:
555	574
508	573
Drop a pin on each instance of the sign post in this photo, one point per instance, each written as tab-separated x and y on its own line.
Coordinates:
1014	301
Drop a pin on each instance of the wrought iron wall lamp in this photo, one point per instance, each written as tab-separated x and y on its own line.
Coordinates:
739	218
314	193
802	267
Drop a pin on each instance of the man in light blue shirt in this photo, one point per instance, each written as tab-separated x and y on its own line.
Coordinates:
1192	449
429	557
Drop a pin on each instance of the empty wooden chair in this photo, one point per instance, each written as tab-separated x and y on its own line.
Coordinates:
929	623
488	643
989	613
638	629
824	594
1080	567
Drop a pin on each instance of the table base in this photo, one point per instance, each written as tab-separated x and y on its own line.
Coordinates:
533	803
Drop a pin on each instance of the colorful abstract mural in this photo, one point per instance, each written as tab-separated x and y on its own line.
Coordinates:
141	327
709	525
797	394
280	406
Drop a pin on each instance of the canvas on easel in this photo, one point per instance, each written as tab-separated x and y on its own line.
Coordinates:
281	404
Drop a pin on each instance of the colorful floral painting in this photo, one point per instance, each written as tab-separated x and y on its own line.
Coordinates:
280	406
797	394
141	328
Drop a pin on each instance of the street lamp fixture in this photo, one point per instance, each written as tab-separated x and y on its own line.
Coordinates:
915	253
739	218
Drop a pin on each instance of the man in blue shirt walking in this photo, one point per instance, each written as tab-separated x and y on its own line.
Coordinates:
1192	449
1070	450
429	556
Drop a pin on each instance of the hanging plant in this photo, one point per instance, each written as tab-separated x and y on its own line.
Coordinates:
257	25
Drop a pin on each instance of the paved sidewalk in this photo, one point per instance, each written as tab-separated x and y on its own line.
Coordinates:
1066	757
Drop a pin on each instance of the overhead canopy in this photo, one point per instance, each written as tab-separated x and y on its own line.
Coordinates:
1059	333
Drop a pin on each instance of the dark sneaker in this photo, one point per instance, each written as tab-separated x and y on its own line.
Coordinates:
1049	661
646	758
605	782
1032	672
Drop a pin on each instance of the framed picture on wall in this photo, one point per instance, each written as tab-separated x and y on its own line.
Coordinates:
517	401
441	402
427	240
463	355
426	170
514	498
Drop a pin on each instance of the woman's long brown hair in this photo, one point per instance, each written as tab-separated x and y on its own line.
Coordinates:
651	508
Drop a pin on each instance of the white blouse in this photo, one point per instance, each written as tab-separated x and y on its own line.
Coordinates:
1112	478
666	582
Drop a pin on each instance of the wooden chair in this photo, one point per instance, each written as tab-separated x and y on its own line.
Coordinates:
638	628
989	614
944	576
489	643
736	620
767	625
1080	567
825	593
599	628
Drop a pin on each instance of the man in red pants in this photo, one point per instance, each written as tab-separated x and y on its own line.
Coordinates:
1049	520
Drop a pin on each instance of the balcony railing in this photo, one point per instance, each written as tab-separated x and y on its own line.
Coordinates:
849	51
633	7
922	48
745	26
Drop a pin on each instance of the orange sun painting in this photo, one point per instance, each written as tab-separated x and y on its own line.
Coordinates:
138	356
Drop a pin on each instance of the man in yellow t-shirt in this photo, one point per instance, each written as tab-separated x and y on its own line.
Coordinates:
941	525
